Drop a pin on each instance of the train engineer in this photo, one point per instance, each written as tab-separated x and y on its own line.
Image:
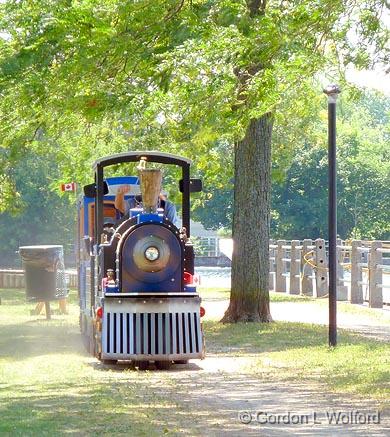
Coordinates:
124	206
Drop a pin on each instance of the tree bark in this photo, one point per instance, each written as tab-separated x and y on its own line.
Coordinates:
249	299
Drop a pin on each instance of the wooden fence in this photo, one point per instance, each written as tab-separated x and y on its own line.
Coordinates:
363	270
300	267
15	278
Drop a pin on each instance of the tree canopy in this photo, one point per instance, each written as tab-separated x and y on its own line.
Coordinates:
299	193
38	215
88	78
82	79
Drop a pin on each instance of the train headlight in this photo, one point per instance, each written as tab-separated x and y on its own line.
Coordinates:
152	253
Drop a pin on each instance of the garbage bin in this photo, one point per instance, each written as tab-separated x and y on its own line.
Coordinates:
44	272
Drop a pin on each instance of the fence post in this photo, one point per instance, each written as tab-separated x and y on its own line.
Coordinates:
7	281
375	276
355	294
307	269
342	290
295	267
280	279
217	251
75	281
321	272
272	266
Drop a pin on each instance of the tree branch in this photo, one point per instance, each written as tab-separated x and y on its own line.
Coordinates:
256	7
174	11
35	134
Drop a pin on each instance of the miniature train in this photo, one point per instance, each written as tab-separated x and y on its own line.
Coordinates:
138	297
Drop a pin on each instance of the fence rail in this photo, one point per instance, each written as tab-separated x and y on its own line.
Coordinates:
207	246
300	267
10	278
363	270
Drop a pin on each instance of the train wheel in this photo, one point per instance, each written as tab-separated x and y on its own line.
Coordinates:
109	362
142	365
181	361
163	365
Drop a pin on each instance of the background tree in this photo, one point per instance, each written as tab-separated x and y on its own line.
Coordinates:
180	74
39	215
363	175
299	193
263	56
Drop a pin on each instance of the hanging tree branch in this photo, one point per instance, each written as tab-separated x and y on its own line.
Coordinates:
256	7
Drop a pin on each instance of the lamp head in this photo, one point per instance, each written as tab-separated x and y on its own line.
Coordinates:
332	89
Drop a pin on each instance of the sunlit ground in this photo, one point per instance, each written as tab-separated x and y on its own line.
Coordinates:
49	385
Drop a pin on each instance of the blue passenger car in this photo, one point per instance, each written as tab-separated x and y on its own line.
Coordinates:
138	299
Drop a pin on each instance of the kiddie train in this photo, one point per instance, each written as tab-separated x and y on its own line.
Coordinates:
138	299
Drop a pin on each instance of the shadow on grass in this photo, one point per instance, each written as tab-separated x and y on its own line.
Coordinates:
300	351
40	337
249	338
17	296
125	366
263	337
30	339
91	398
84	409
217	295
151	407
13	297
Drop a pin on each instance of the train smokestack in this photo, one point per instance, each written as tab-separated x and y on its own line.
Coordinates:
150	181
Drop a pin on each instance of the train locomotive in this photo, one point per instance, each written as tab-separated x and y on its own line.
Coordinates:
137	293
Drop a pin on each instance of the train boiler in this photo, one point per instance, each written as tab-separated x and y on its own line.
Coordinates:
138	297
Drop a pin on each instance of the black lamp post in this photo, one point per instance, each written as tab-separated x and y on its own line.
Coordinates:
332	91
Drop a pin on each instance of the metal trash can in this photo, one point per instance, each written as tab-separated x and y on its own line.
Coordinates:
44	272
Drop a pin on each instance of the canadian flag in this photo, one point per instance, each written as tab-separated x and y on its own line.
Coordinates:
70	186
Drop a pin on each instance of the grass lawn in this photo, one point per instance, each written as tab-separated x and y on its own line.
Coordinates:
299	351
345	307
50	386
217	293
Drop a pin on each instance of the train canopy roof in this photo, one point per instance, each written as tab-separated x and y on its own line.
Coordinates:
134	156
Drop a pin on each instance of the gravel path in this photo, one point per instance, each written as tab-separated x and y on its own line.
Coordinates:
376	326
216	396
220	390
373	326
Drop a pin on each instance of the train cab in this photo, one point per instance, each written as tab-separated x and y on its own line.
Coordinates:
138	296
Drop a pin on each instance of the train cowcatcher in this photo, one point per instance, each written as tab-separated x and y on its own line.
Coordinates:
137	289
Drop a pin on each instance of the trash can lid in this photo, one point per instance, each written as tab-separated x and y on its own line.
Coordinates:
47	254
42	247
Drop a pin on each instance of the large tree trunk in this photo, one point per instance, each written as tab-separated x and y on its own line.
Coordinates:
249	299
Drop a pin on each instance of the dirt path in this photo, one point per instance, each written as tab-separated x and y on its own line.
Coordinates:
364	324
376	326
213	393
48	380
216	391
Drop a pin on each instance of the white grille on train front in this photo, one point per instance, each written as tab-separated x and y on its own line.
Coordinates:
151	334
